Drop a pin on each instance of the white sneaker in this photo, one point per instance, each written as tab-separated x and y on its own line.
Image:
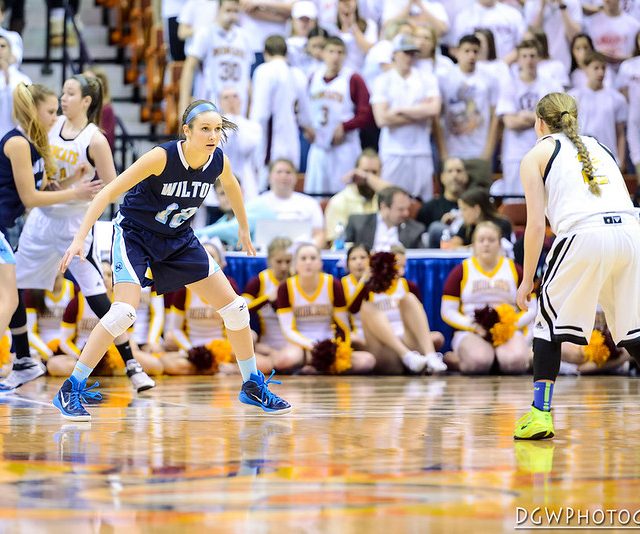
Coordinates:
140	380
435	363
24	370
414	361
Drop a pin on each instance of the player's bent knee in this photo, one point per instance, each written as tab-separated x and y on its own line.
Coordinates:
235	315
119	318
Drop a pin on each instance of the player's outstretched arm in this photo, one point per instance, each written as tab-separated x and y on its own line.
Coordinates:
150	164
531	177
234	194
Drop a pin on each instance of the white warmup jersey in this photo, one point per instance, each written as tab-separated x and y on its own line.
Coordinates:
480	288
226	60
389	302
595	258
313	313
203	323
569	201
330	104
49	230
46	325
349	284
270	331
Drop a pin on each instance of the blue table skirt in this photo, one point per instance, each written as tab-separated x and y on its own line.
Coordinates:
428	269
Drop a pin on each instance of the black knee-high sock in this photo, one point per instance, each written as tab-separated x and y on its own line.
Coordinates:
100	305
19	331
546	359
634	350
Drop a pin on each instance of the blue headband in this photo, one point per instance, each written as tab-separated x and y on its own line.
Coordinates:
200	108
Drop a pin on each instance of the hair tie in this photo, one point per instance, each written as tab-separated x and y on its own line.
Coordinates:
564	113
200	108
82	80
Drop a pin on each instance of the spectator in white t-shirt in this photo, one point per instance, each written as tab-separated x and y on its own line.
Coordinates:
277	90
262	18
469	125
221	54
504	21
548	67
405	102
304	18
581	47
196	15
429	60
359	34
516	107
544	15
612	31
425	13
10	77
604	110
487	59
628	83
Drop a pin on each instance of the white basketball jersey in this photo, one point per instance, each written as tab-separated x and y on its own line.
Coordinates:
227	64
568	198
68	155
203	323
389	301
313	313
349	284
49	321
330	104
86	322
480	288
270	331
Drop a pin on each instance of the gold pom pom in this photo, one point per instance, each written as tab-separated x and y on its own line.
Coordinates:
221	350
596	351
5	351
54	345
503	330
342	362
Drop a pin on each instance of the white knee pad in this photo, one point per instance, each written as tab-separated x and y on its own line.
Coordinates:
235	315
119	318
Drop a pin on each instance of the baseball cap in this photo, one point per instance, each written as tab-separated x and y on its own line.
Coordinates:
404	43
304	8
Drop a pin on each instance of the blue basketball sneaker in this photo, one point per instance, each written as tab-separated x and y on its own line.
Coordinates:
69	399
255	392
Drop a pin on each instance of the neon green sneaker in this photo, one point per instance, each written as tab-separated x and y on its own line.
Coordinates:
535	424
534	456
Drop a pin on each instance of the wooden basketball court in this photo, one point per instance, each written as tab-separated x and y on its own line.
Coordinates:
358	455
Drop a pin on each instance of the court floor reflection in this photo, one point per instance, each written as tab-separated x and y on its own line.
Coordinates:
357	455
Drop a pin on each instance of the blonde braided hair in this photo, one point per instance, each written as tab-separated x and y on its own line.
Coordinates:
560	112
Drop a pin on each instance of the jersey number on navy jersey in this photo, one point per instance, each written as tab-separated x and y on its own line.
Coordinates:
177	218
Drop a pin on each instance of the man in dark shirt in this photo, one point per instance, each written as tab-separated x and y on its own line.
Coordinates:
439	213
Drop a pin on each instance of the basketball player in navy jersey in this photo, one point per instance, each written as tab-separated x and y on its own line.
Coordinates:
164	189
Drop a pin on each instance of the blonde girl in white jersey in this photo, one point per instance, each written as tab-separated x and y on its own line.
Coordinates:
575	182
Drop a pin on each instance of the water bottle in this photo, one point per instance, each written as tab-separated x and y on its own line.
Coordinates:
338	240
445	239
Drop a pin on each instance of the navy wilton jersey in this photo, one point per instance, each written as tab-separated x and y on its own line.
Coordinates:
11	206
165	203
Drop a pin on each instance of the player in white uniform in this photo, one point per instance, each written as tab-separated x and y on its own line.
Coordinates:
395	325
308	304
516	106
338	107
44	315
576	183
485	279
79	150
223	53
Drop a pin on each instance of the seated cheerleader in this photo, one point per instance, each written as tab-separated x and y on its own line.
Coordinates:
197	325
600	356
261	293
487	278
395	325
309	304
78	321
357	267
44	315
